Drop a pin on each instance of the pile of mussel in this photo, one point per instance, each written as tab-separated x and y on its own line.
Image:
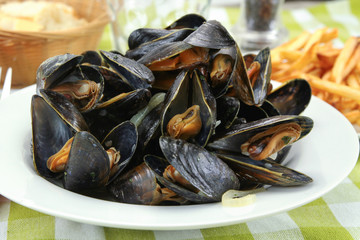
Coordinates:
180	118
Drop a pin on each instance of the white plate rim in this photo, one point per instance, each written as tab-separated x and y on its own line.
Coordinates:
34	192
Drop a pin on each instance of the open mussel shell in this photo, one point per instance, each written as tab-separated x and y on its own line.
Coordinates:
173	56
144	35
137	186
210	34
123	138
265	171
232	140
249	113
199	167
65	109
147	122
158	166
169	37
292	97
227	109
270	109
54	69
92	57
134	72
191	88
222	70
252	93
84	87
261	84
114	83
125	104
191	20
116	110
49	134
88	164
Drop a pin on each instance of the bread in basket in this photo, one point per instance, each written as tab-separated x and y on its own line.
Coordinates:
24	51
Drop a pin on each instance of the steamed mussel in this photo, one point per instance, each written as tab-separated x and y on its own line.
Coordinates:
181	117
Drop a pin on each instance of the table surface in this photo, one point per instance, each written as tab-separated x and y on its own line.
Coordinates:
336	215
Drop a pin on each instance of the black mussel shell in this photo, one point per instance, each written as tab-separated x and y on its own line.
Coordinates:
88	165
116	110
227	109
169	52
54	69
144	35
49	134
292	97
270	109
92	57
114	83
123	138
138	75
65	109
158	166
265	171
147	121
232	140
212	35
201	168
178	99
146	47
137	186
191	20
252	93
251	112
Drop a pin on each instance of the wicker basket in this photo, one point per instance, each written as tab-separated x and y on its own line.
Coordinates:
25	51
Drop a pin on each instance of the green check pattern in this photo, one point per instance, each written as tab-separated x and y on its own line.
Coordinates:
336	215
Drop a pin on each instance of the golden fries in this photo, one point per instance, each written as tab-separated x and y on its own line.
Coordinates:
333	73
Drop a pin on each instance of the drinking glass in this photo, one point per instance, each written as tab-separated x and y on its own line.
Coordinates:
260	24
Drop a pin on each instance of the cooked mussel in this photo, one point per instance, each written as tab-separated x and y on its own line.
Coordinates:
265	171
292	97
112	112
191	20
49	134
190	89
262	138
65	109
211	34
202	169
88	164
54	69
148	43
174	55
252	83
139	186
135	73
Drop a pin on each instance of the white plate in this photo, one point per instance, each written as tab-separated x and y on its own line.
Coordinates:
327	154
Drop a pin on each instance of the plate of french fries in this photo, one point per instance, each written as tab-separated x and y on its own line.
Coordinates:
333	72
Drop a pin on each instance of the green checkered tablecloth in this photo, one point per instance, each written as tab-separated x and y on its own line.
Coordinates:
336	215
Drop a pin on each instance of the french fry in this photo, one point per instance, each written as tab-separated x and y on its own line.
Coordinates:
335	88
353	80
315	38
327	57
355	58
292	45
353	115
342	60
333	73
329	34
303	61
290	56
